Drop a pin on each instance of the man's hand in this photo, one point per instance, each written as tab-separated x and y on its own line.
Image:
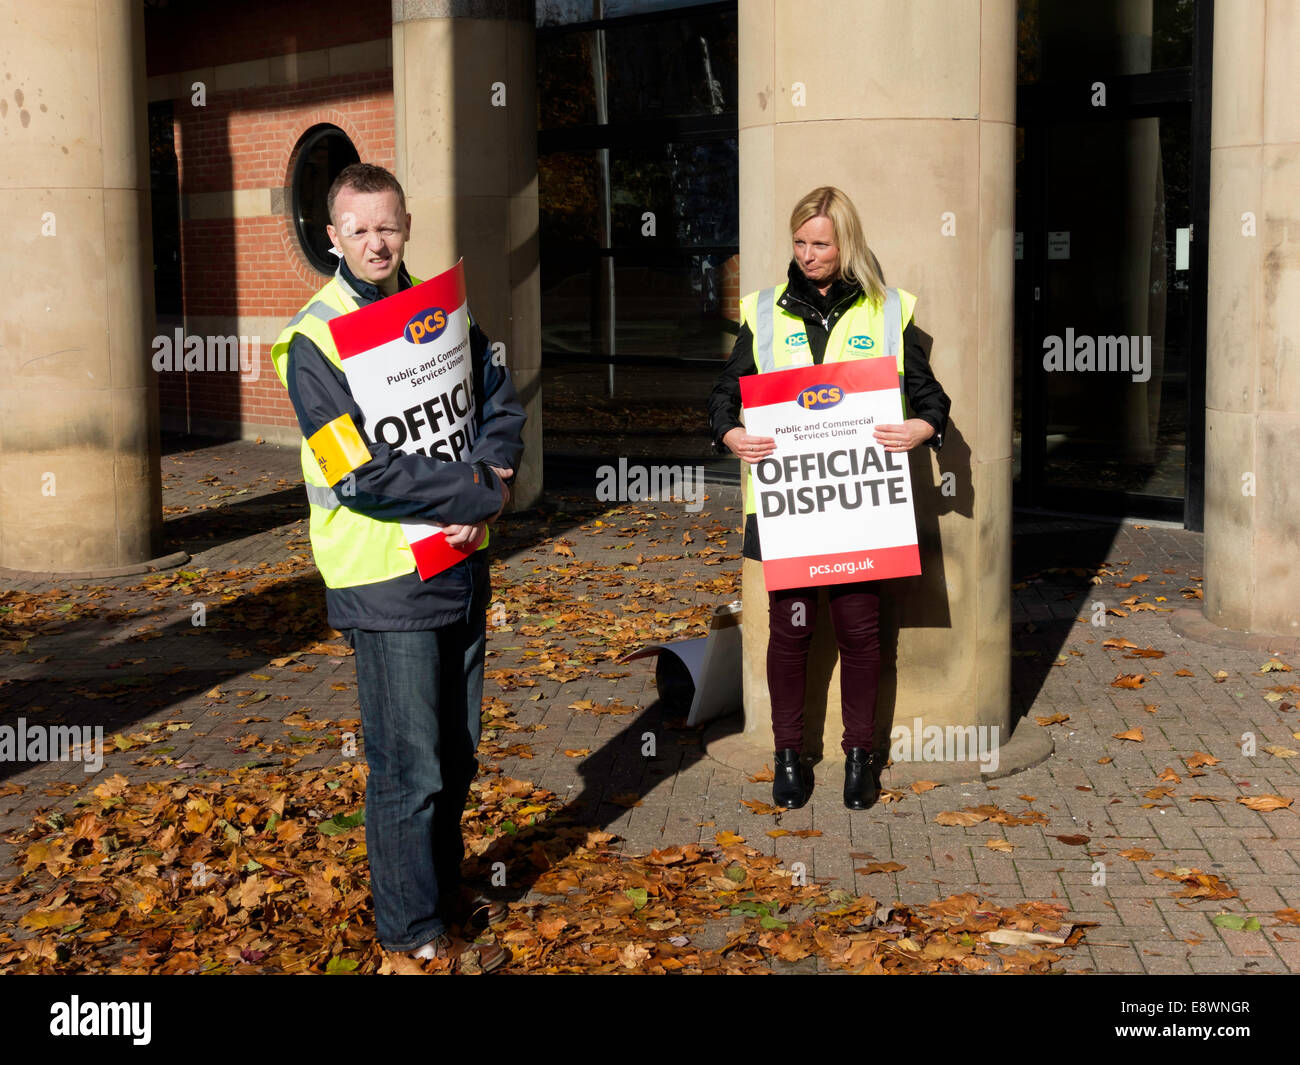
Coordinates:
505	488
905	436
466	537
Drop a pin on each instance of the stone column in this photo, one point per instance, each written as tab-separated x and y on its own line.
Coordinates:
79	477
1252	417
465	102
909	107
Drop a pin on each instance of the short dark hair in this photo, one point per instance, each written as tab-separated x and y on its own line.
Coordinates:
364	177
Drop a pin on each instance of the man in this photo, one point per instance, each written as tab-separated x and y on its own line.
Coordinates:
419	643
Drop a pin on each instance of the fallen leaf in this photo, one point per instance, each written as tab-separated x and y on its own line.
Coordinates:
960	818
1134	734
1236	922
1265	804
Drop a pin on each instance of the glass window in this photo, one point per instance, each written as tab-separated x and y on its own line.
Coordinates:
1064	40
564	12
323	152
667	68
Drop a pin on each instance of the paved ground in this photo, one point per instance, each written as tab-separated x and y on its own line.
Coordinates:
579	584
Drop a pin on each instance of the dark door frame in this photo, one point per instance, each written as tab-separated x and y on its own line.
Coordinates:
1161	94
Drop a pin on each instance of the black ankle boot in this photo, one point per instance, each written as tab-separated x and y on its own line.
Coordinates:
790	783
862	778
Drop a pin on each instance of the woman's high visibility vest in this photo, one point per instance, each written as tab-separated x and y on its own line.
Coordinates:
866	330
350	548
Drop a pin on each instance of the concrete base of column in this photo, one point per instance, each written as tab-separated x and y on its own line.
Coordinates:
1194	625
153	565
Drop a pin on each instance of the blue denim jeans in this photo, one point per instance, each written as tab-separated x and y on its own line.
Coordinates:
421	699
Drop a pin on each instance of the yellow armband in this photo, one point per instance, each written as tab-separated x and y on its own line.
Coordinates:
338	448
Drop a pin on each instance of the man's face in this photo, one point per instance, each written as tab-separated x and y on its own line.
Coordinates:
371	231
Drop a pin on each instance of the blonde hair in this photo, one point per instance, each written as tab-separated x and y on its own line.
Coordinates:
857	262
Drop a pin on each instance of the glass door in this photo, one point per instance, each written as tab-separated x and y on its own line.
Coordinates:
1109	286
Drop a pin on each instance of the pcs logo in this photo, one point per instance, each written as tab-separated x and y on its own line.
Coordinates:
819	397
426	326
862	343
796	340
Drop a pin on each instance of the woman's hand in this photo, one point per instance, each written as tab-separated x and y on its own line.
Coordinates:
751	449
906	436
466	537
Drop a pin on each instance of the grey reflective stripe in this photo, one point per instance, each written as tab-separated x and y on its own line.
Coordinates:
763	332
338	278
319	309
893	323
320	496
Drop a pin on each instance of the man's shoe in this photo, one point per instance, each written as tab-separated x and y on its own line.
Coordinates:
791	785
478	911
862	778
469	958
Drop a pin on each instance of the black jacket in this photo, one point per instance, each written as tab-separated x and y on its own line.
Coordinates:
925	395
393	485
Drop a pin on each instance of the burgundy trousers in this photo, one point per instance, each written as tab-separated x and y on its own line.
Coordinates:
855	611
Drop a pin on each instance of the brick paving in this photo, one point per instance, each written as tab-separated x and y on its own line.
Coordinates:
129	655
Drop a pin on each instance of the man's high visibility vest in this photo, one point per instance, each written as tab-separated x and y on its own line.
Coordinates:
864	331
350	548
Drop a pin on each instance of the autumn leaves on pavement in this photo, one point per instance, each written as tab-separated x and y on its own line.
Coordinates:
255	861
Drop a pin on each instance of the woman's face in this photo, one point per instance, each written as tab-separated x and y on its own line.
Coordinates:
816	252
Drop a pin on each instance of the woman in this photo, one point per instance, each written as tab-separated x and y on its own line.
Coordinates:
834	290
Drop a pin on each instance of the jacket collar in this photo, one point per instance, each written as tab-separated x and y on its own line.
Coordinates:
805	291
363	291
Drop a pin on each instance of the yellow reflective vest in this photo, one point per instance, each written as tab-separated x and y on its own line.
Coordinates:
865	330
350	548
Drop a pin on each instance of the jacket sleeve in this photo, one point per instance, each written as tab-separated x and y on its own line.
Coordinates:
724	401
391	486
925	395
500	440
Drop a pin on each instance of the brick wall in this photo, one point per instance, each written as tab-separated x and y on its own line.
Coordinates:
731	293
242	270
